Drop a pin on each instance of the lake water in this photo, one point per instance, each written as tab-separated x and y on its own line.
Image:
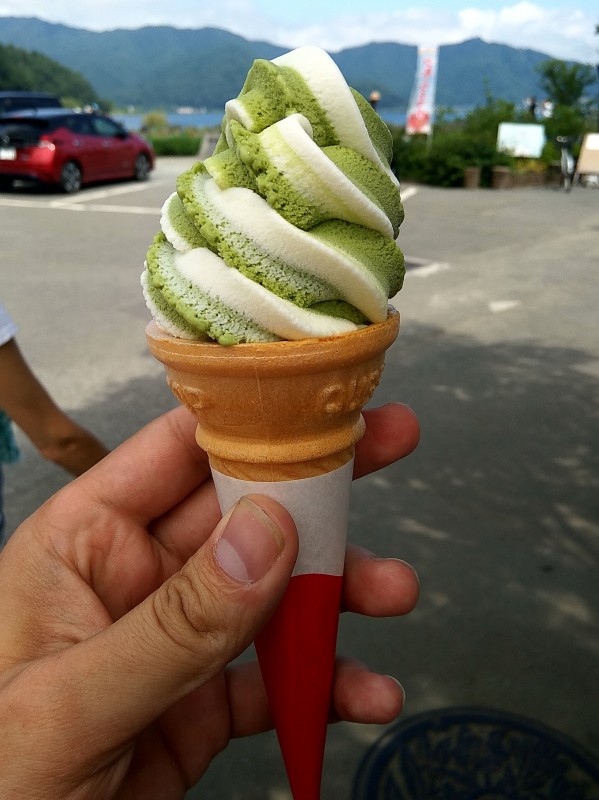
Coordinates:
211	119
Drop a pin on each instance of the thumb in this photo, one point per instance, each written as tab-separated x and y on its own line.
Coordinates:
192	626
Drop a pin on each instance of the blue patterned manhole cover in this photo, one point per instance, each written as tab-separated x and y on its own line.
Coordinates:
475	754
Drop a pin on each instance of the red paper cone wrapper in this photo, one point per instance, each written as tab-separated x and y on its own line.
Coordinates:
296	649
296	652
288	414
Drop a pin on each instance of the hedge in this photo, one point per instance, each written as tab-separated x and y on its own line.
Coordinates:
175	145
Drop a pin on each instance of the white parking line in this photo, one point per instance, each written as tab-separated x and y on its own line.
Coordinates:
430	269
497	306
101	194
424	268
410	191
124	209
16	203
67	205
64	205
116	209
85	202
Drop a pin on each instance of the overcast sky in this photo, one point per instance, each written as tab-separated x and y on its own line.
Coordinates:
559	28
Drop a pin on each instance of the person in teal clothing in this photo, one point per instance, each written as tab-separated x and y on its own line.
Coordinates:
24	401
9	453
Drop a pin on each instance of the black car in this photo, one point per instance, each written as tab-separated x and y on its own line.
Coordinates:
18	101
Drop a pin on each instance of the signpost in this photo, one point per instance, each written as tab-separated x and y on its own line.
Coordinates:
523	140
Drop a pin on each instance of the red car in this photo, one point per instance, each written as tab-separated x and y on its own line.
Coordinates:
70	148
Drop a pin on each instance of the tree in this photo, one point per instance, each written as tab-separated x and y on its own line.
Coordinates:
30	71
482	123
565	83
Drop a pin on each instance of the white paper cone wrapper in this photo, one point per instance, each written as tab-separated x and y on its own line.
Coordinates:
319	507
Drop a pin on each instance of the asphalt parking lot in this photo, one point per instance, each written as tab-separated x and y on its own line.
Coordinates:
498	509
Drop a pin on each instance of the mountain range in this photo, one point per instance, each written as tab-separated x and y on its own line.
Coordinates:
166	67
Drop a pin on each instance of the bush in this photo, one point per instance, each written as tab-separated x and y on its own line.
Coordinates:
443	161
181	144
170	140
455	145
482	123
155	124
565	121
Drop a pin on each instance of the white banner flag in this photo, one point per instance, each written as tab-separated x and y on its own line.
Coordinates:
421	111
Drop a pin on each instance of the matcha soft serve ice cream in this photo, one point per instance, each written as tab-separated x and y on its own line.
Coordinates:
283	245
289	230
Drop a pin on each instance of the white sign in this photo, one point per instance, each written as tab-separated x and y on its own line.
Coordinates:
524	140
588	160
421	111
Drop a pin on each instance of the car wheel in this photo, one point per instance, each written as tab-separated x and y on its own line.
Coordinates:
71	177
142	168
5	184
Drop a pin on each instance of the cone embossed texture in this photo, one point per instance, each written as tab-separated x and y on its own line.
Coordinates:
274	413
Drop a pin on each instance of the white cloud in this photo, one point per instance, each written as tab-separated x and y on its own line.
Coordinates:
560	32
563	33
523	14
237	15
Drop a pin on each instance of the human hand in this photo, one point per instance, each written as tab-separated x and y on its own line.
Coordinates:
122	607
57	437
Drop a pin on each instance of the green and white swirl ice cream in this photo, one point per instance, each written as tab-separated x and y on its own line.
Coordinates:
289	230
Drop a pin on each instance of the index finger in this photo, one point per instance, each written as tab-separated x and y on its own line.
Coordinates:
153	470
391	433
162	464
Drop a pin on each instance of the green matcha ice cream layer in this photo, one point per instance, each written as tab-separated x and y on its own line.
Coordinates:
198	310
284	165
241	252
379	133
288	230
271	93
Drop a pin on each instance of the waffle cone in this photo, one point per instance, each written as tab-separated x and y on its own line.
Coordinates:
274	414
277	411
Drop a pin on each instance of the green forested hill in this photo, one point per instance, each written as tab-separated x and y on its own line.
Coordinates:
149	67
165	67
29	71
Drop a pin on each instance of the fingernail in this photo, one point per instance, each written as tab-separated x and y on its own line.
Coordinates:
250	543
403	691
